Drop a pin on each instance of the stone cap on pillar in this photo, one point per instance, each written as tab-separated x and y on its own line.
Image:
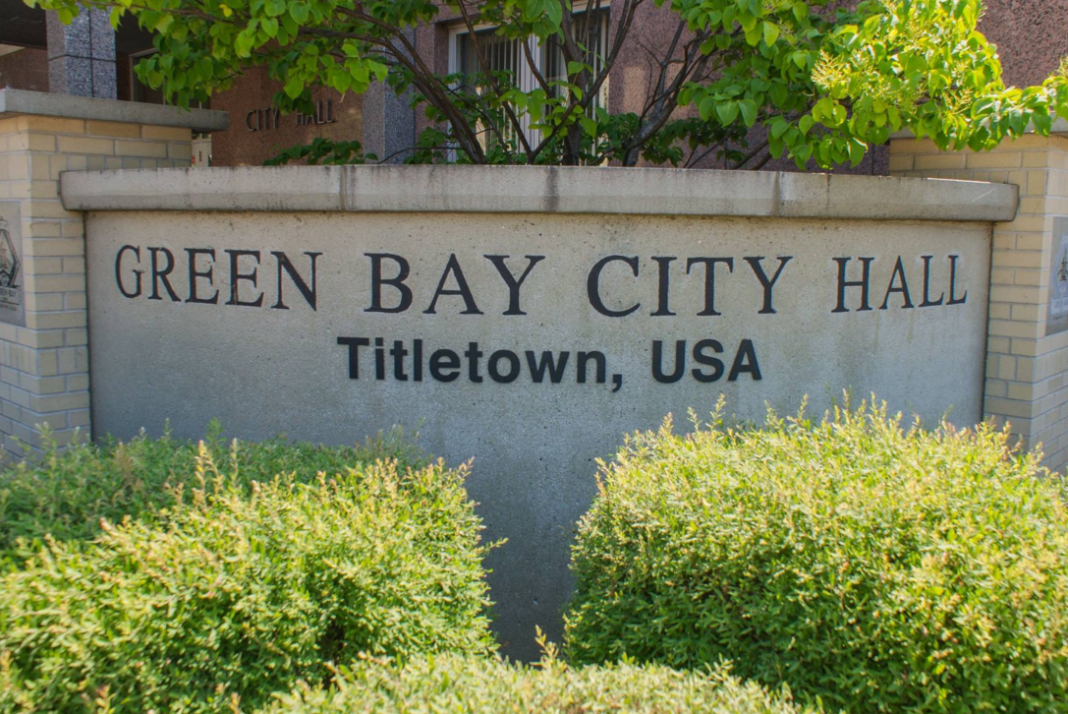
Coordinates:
1060	126
21	101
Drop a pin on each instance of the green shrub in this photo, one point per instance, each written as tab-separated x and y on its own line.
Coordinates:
67	493
464	685
241	592
878	568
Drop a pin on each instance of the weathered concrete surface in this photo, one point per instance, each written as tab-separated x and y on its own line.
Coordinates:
265	370
539	189
22	101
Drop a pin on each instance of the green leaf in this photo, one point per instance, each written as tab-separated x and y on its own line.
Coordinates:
294	86
771	33
299	12
205	69
706	108
243	43
727	112
1043	123
856	150
554	12
574	68
533	9
838	114
779	94
749	111
776	147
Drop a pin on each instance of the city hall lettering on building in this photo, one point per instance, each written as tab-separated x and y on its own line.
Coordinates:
285	280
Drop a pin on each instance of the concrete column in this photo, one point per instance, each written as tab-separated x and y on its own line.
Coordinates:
81	56
388	125
388	122
1027	336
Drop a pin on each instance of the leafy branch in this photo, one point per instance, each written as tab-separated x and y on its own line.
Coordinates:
739	81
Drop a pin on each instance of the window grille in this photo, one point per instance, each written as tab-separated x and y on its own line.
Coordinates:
507	55
591	32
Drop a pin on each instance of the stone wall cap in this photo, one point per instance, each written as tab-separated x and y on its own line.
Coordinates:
22	101
538	189
1060	126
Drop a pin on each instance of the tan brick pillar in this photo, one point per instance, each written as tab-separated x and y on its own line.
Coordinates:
44	344
1027	344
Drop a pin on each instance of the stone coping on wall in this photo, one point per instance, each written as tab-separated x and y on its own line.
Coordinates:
538	189
21	101
1060	126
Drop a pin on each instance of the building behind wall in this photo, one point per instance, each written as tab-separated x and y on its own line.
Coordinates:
258	131
1032	36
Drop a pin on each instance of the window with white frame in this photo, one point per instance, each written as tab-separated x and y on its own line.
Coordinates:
502	54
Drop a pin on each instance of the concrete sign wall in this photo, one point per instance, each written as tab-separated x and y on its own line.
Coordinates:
529	341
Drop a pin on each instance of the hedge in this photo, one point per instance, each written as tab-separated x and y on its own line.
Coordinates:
67	495
240	592
464	685
876	567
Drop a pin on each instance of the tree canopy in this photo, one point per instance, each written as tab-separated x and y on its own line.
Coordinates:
762	78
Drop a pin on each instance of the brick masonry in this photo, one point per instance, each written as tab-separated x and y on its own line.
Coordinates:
44	366
1026	370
